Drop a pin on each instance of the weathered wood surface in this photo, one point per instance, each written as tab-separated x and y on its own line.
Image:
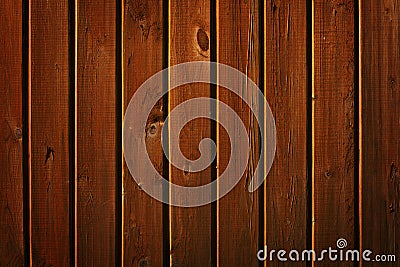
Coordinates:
189	40
143	57
96	133
380	98
49	134
285	214
317	191
334	91
238	212
11	180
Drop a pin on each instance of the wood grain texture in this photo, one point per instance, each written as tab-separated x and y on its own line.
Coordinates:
49	134
11	181
286	91
143	40
239	43
96	133
238	212
380	92
333	104
190	228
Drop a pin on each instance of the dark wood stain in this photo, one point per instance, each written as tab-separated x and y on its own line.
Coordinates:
380	68
143	225
154	234
11	182
286	91
334	199
238	43
190	229
96	134
49	128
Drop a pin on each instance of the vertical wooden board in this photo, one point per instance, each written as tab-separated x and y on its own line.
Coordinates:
190	228
96	133
380	92
143	40
11	225
333	104
286	91
238	212
49	133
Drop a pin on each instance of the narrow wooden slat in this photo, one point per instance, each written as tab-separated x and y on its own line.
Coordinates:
380	93
333	103
49	133
96	133
286	91
190	228
143	40
11	226
238	212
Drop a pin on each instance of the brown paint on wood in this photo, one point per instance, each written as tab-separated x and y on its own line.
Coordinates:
11	223
286	92
190	228
380	92
96	133
143	40
238	46
49	129
333	103
285	88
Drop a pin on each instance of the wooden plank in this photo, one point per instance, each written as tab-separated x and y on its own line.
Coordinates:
11	225
380	93
286	91
238	212
334	130
190	228
49	133
143	40
96	133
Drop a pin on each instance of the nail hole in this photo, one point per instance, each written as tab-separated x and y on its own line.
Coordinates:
391	208
392	82
328	174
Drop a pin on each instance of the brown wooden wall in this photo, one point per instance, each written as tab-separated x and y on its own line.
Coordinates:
330	70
